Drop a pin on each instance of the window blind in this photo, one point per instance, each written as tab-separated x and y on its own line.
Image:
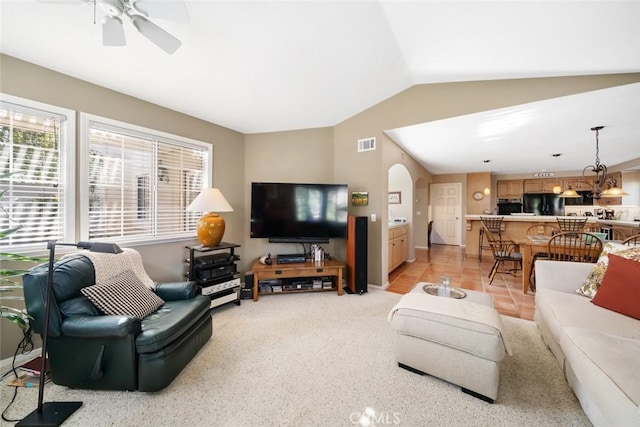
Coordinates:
32	174
140	183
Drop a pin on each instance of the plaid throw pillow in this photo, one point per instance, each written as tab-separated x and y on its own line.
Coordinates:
123	294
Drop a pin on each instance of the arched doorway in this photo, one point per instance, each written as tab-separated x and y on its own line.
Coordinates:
400	206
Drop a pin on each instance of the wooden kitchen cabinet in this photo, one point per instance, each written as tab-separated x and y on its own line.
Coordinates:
510	189
581	184
542	185
398	246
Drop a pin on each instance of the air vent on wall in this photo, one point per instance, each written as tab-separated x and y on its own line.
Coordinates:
366	144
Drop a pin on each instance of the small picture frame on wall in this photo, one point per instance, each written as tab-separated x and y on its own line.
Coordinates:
359	198
395	197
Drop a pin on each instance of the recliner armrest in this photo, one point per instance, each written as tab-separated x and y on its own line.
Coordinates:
101	326
174	291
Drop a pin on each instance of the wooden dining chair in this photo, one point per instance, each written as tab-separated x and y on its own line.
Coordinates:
576	247
573	223
503	251
492	225
542	229
592	228
632	241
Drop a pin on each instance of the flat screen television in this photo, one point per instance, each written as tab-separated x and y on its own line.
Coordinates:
298	213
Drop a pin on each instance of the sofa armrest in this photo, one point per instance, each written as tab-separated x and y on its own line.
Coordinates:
562	276
101	326
174	291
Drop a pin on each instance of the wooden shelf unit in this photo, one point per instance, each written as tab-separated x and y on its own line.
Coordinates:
326	268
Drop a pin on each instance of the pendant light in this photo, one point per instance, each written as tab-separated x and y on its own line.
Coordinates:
601	179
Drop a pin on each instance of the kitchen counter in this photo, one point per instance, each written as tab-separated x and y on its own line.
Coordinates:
514	227
615	222
396	224
526	218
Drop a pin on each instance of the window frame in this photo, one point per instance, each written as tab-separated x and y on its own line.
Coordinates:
85	126
67	175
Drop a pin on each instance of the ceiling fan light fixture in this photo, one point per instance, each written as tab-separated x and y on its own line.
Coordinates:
112	7
113	32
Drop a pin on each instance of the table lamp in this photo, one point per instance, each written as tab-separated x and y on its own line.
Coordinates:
55	413
210	227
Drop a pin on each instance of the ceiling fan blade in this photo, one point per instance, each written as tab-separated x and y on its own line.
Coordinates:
113	32
173	10
157	35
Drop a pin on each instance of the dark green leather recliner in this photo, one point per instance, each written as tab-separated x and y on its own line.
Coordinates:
90	350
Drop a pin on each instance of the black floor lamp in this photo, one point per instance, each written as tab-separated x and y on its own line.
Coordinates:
54	413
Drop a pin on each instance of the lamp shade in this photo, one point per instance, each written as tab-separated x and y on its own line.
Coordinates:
210	228
570	194
614	192
210	200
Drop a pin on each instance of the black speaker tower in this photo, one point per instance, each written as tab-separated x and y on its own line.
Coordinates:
357	236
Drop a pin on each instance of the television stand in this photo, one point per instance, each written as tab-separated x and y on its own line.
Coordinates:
298	277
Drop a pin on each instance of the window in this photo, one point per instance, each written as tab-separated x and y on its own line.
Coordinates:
137	182
37	164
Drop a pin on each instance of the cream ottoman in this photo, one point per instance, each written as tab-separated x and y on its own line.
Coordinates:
458	340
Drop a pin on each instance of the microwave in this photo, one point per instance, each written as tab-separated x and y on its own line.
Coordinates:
509	208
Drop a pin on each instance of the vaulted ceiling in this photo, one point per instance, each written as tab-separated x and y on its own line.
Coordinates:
263	66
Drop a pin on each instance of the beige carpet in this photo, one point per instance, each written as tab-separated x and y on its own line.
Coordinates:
316	359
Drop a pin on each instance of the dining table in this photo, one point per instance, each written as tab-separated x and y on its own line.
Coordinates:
530	245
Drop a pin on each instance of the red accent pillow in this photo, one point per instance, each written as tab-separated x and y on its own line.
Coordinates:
620	288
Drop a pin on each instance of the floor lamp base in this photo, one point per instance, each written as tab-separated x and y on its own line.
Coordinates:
53	414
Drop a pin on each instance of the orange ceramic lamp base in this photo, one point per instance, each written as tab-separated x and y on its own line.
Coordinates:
210	229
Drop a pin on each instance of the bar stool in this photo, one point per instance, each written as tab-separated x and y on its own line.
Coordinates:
569	224
493	225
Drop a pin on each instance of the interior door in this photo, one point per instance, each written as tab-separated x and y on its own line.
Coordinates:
446	207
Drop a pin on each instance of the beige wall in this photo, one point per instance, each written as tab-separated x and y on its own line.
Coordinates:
478	181
304	156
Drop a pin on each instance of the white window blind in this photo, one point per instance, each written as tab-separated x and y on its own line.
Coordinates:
140	181
36	172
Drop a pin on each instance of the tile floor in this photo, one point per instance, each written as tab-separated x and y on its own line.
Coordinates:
466	273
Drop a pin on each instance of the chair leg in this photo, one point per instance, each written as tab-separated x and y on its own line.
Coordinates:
481	232
494	267
494	271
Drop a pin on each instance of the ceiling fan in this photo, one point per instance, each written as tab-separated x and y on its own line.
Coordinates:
139	12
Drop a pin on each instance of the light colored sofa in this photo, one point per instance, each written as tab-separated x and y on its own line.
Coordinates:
598	349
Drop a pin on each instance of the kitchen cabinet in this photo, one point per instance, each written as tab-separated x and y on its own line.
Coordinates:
510	189
579	184
541	185
398	246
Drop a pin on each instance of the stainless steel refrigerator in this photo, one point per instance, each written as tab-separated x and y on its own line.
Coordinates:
544	204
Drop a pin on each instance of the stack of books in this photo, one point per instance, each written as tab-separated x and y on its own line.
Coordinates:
29	374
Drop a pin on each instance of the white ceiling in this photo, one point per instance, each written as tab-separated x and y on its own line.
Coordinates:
261	66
